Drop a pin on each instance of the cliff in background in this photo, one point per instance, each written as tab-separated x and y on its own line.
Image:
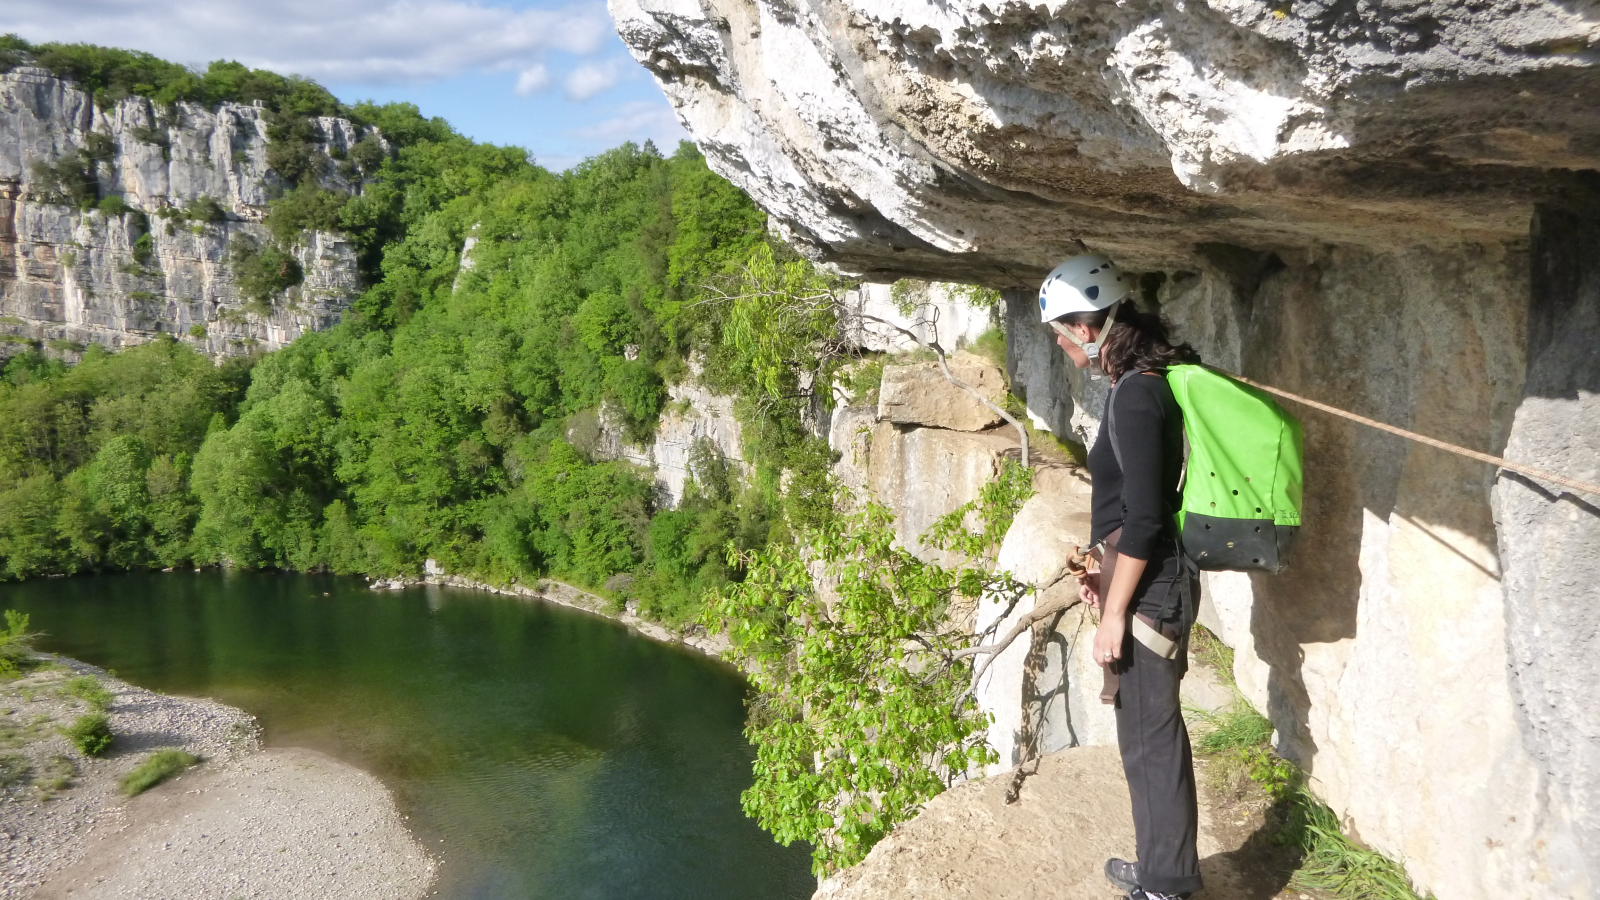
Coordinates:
195	184
1386	207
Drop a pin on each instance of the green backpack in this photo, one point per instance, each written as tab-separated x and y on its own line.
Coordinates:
1241	483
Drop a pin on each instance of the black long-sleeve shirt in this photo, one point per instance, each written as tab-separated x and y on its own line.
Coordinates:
1140	495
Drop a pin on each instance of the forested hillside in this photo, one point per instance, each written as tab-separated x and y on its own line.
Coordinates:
438	419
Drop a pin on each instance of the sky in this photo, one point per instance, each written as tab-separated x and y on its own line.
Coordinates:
549	76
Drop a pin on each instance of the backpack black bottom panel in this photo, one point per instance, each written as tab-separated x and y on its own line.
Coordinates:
1215	543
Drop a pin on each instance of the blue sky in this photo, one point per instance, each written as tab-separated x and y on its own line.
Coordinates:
549	76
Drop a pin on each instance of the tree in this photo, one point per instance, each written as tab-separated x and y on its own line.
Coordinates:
865	707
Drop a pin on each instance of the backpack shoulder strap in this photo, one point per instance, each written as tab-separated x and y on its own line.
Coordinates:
1111	420
1111	417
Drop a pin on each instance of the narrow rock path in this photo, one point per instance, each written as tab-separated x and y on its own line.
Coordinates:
1051	844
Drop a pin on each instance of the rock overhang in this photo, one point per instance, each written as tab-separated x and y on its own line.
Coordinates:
980	141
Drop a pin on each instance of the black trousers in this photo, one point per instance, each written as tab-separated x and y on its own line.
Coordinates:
1159	765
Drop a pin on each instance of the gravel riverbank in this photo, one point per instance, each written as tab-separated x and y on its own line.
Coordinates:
280	824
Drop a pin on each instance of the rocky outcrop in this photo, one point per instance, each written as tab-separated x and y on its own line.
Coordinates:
920	394
155	263
695	416
1332	198
977	141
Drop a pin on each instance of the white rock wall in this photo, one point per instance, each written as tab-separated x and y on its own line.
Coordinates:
71	276
933	311
693	413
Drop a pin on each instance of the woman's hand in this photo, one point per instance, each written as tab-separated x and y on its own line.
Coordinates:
1089	589
1108	640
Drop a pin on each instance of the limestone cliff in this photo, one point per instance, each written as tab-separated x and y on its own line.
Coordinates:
1388	207
195	185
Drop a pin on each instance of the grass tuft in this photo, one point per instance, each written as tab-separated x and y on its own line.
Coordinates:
89	689
56	777
1238	728
1210	649
160	766
14	768
1335	866
91	734
1331	865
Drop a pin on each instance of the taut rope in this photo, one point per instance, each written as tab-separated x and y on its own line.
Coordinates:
1530	471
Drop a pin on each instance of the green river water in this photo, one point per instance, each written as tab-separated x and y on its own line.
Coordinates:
539	752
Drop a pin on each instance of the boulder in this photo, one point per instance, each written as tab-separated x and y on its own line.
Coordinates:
920	394
921	474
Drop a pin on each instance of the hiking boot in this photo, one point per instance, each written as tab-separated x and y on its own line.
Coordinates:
1142	894
1122	873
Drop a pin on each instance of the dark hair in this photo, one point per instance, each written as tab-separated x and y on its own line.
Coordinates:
1136	340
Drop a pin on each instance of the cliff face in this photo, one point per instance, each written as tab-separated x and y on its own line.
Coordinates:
1387	207
71	277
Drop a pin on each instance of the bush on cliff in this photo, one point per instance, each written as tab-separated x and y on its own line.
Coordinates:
865	708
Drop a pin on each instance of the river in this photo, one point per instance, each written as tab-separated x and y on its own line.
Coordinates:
538	752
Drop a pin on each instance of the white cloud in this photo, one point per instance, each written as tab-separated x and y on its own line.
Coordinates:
590	79
638	121
333	41
533	79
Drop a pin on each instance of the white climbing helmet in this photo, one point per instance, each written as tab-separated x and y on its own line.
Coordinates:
1082	284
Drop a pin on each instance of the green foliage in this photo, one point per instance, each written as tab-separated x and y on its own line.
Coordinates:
263	273
112	205
197	330
89	689
996	505
204	209
306	208
157	767
863	380
1331	864
368	154
864	710
975	296
70	180
455	414
94	458
91	734
111	75
907	294
293	146
991	345
16	646
143	249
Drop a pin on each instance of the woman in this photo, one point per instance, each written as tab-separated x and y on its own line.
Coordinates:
1145	603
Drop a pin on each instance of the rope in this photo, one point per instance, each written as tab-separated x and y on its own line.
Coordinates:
1530	471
